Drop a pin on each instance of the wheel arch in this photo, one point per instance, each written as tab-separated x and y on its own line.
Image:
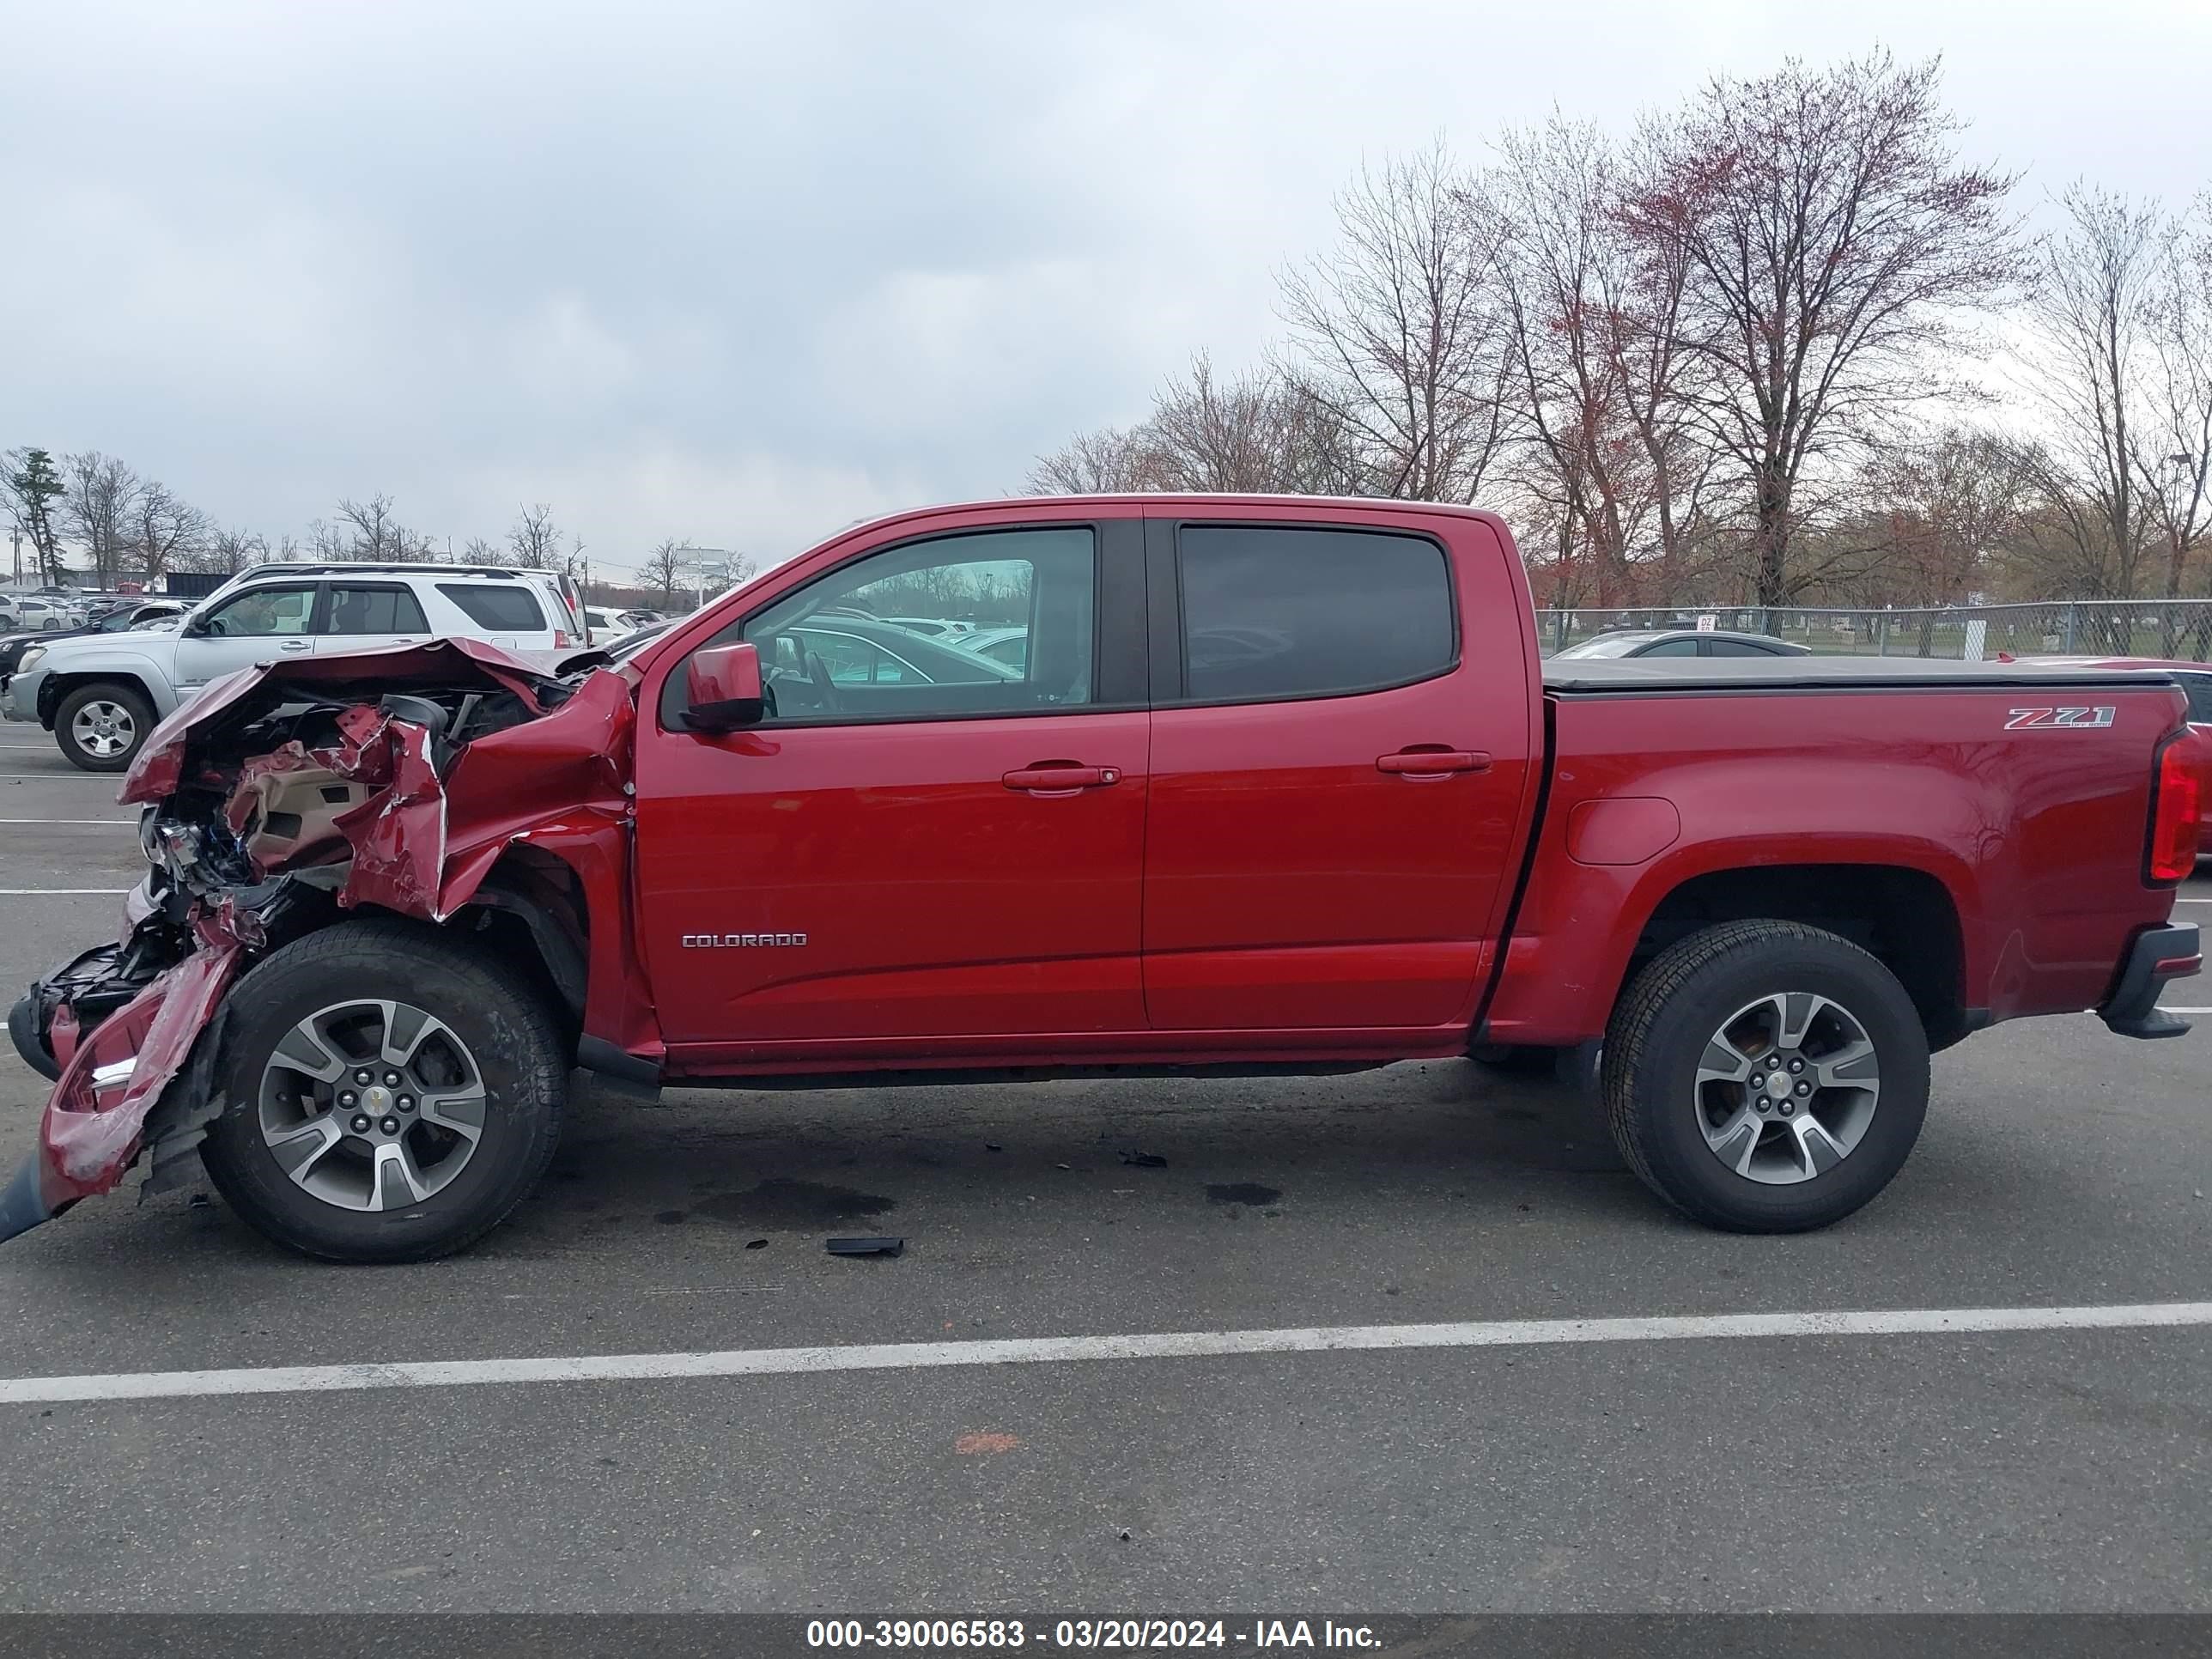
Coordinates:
61	683
1907	918
531	909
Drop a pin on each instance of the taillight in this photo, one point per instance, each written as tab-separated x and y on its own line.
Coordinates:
560	639
2176	801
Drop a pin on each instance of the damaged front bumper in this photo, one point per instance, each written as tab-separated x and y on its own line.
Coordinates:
279	798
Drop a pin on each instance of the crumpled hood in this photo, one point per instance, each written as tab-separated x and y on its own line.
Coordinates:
440	663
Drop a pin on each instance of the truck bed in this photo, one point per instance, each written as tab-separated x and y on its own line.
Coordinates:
1603	676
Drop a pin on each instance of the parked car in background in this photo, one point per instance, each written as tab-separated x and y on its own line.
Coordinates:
154	613
609	623
637	639
850	649
932	626
1008	646
1685	642
38	613
100	693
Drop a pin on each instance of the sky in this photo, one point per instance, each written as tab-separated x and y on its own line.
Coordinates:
744	273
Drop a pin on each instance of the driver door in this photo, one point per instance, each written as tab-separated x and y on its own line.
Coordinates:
890	857
260	624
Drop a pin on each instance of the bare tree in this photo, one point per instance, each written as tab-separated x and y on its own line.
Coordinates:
478	550
1565	281
2087	366
98	510
1394	331
663	570
1940	514
366	530
163	526
1111	460
30	487
2173	456
1261	432
225	552
1836	253
533	541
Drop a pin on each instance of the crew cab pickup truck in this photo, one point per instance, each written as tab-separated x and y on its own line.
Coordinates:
1281	784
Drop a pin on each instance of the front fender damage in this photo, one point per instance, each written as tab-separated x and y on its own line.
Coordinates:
282	798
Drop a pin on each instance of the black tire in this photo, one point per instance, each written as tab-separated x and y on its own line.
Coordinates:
508	1030
1657	1040
129	699
30	1042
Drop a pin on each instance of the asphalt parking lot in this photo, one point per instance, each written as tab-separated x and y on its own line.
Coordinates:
2048	1469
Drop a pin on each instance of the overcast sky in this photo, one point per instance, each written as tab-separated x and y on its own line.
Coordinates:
744	273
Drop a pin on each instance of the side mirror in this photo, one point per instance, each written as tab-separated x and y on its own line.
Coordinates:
198	627
722	687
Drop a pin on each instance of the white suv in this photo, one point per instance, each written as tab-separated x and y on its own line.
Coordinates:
100	693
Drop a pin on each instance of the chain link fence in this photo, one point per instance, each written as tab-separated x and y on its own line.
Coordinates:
2174	628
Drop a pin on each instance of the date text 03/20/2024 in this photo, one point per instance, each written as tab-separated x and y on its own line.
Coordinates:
1090	1634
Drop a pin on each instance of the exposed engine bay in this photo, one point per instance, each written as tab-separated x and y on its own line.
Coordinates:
280	799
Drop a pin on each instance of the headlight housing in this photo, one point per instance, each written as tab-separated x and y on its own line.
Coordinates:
30	659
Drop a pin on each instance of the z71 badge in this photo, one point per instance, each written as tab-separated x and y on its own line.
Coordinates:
2021	719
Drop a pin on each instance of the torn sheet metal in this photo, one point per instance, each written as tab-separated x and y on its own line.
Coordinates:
411	769
96	1114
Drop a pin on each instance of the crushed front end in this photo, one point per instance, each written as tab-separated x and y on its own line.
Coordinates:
283	798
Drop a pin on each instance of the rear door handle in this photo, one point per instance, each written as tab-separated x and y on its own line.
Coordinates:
1061	777
1432	762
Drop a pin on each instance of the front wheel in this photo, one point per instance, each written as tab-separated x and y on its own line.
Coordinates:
1765	1076
100	728
387	1095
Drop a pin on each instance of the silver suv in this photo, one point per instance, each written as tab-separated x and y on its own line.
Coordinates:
100	693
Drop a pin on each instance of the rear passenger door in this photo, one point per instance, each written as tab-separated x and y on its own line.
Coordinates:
363	616
1330	833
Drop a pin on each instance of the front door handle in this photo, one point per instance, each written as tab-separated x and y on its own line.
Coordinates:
297	645
1061	777
1432	762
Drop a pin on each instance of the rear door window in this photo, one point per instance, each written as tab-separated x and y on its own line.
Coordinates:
1276	613
381	609
502	609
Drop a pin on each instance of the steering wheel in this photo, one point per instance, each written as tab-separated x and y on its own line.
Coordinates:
818	676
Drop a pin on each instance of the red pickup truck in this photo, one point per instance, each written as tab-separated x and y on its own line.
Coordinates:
1239	783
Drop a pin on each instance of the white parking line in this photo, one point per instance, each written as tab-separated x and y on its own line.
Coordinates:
2165	1010
127	823
1177	1345
62	892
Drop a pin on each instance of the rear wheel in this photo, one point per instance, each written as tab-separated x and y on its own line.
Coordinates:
388	1095
101	727
1765	1076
